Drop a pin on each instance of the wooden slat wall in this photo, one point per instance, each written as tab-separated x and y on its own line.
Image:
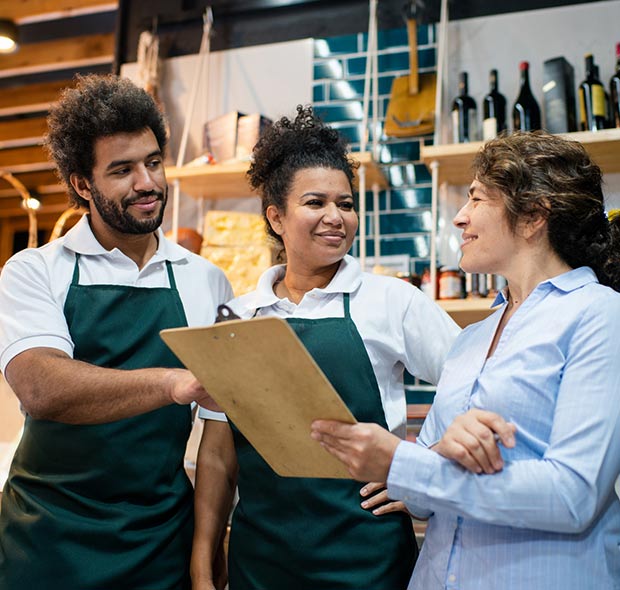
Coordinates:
64	53
17	10
41	70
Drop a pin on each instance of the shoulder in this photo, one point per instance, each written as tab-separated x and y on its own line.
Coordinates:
43	259
395	293
594	302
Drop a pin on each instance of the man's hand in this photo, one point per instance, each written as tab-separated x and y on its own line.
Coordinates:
365	449
472	441
184	389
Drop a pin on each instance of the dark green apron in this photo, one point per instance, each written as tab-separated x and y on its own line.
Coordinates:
303	533
105	506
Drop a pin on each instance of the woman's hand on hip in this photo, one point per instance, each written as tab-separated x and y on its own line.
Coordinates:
376	499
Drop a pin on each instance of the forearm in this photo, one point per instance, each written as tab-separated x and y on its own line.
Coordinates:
216	479
52	386
537	494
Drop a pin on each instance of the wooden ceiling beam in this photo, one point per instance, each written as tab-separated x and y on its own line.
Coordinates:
72	52
32	94
27	11
20	132
37	181
18	156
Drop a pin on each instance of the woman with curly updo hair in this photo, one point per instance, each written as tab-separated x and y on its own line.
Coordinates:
363	330
540	375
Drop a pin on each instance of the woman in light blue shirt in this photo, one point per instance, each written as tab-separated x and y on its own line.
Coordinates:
541	373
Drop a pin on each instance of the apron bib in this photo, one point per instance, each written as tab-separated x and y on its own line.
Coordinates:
308	533
104	506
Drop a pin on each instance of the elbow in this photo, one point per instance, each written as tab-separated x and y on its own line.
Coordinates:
581	522
579	511
34	406
32	401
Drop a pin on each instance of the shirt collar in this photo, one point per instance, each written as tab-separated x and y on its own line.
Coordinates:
567	282
347	279
81	240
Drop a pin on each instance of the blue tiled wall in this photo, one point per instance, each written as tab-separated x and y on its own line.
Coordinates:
405	207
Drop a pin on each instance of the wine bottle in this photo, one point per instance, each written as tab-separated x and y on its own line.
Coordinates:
608	115
592	108
525	112
614	92
494	110
464	114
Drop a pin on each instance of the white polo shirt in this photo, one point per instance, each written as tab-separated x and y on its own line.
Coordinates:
400	326
34	284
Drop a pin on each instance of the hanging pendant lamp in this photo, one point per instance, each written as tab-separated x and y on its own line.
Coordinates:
8	36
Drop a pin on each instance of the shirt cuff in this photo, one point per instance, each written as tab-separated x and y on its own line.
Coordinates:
44	341
410	472
205	414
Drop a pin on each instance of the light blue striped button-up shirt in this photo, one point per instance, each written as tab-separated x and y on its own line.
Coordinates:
550	519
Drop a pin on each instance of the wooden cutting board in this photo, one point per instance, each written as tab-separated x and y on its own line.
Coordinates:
259	372
411	110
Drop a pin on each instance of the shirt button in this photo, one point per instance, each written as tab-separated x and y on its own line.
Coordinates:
452	578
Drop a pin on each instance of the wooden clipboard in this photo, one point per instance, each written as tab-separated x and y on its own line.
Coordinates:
265	380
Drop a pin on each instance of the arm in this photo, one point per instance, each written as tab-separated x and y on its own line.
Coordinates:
428	333
52	386
367	449
572	479
216	477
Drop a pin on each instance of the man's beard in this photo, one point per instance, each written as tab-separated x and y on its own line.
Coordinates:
116	216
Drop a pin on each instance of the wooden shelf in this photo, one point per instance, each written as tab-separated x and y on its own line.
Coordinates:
225	181
455	159
467	311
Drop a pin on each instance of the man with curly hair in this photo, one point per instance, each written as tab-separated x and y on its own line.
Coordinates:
97	497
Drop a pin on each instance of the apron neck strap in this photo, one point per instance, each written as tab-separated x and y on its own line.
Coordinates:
76	273
173	284
345	303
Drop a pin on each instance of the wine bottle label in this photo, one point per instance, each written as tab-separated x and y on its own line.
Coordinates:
583	118
489	128
598	101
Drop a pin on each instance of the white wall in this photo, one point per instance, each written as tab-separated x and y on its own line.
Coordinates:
478	45
268	79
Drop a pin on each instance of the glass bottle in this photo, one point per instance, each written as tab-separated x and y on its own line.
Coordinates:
525	112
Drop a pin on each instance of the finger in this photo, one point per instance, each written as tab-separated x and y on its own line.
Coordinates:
331	427
454	451
477	448
376	500
482	445
390	507
371	487
330	441
504	430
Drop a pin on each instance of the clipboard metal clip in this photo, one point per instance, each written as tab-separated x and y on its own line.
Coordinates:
225	314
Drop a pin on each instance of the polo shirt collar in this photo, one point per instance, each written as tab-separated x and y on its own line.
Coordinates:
81	240
347	279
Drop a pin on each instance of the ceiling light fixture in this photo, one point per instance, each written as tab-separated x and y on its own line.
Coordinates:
8	36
